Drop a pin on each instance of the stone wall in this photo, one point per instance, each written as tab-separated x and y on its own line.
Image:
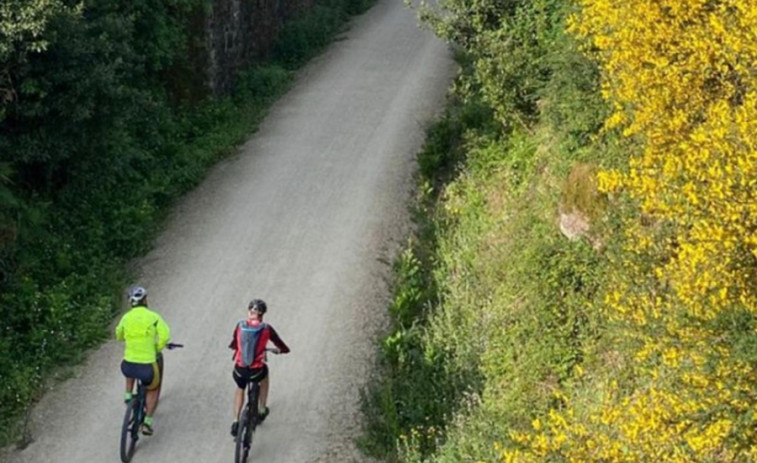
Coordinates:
239	32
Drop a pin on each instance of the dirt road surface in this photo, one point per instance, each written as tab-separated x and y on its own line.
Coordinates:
306	217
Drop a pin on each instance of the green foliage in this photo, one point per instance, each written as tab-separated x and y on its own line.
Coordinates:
512	316
395	404
522	62
23	26
307	34
260	82
22	22
442	151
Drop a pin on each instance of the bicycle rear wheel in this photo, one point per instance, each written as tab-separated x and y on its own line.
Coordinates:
243	439
129	432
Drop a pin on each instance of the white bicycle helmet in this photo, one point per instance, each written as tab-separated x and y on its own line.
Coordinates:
136	294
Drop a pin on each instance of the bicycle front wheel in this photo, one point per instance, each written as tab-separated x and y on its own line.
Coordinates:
243	440
128	435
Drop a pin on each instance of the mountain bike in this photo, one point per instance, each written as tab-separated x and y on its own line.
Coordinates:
135	413
249	420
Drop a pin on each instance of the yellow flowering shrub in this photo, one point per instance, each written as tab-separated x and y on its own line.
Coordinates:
681	76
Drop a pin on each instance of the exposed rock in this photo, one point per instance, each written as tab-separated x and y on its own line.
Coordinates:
581	204
574	225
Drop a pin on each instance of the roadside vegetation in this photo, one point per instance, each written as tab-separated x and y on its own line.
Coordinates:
581	283
102	128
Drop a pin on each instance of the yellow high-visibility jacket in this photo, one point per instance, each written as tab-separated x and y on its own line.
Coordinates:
145	334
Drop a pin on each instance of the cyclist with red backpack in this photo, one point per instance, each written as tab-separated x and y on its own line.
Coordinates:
249	344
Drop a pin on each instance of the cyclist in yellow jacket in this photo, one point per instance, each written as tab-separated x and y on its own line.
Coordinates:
145	334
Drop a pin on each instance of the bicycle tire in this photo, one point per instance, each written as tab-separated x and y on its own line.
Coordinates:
128	440
242	451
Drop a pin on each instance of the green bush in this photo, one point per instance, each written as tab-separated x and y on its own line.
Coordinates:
305	35
260	82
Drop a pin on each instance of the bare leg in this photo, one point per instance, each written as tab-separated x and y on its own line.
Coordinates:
154	395
152	401
238	401
160	383
129	384
263	400
157	398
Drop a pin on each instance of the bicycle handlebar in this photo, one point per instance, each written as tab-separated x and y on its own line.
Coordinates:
173	345
274	350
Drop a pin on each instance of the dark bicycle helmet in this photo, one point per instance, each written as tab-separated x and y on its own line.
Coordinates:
136	294
258	306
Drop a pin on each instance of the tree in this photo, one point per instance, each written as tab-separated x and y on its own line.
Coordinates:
22	31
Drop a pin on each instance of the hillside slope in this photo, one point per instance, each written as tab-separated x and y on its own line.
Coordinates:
582	284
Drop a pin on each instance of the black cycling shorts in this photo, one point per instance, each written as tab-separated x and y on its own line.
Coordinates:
148	373
242	376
